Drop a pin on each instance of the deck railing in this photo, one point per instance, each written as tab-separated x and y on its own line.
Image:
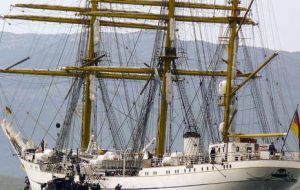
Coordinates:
219	158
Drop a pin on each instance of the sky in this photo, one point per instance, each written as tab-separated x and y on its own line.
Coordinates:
284	12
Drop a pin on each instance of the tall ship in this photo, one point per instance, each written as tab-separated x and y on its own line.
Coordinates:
158	112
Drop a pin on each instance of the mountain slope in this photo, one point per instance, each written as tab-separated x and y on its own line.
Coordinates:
15	47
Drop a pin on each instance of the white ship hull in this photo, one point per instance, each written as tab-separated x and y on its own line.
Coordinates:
243	175
250	174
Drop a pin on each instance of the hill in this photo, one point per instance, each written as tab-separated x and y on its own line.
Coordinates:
14	47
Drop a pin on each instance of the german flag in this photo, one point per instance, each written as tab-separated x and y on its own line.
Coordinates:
295	126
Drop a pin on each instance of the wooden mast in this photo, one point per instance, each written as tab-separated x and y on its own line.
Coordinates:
87	104
230	66
170	53
93	12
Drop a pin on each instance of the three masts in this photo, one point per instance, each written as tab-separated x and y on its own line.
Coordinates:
91	66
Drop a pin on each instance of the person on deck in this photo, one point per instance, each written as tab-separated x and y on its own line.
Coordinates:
212	155
272	149
43	145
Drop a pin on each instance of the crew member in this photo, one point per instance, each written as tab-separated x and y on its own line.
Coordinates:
272	149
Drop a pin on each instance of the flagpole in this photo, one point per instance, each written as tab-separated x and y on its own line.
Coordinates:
290	129
298	130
